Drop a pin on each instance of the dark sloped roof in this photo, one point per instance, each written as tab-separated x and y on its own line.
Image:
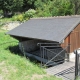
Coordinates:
52	29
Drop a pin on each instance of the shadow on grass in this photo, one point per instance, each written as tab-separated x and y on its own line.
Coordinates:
15	50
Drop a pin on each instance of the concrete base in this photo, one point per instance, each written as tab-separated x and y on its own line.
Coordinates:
72	57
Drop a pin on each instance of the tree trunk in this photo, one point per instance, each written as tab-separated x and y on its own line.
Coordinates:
76	7
5	13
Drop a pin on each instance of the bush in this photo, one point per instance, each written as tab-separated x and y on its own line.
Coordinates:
18	17
29	14
24	16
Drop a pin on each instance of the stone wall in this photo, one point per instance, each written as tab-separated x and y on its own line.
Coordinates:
29	46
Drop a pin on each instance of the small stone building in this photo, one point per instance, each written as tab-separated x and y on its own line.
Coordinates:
60	30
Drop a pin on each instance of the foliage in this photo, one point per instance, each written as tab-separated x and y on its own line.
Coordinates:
1	12
42	8
28	4
4	21
15	67
76	6
18	17
29	14
78	78
24	16
64	7
9	6
53	8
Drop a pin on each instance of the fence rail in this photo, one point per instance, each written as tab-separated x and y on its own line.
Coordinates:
54	53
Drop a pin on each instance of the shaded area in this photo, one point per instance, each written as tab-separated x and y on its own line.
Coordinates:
15	50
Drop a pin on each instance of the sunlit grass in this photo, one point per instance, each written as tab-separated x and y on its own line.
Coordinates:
15	67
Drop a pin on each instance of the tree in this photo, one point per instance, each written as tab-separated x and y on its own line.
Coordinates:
9	6
53	7
28	4
76	7
43	8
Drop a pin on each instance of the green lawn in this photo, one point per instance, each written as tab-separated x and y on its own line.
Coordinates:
16	67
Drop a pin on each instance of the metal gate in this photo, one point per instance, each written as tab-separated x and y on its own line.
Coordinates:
54	53
72	70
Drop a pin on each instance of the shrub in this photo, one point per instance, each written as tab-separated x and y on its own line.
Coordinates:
29	14
18	17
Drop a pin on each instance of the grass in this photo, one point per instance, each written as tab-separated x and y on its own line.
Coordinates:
3	20
15	67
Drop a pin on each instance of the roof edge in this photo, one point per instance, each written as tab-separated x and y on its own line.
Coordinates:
52	17
70	30
32	38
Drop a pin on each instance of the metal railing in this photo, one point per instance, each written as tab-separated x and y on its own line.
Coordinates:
53	53
77	64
